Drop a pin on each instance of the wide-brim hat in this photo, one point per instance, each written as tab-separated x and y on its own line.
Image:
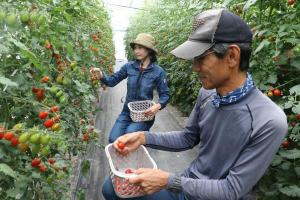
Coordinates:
145	40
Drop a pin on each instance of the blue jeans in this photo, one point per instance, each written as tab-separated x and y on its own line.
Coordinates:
109	194
124	125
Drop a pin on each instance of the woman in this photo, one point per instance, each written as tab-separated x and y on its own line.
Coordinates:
144	75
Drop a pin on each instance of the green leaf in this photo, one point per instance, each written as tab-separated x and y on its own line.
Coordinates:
296	108
295	89
226	2
291	191
26	53
290	154
276	161
8	82
297	170
296	62
3	49
5	169
261	46
248	4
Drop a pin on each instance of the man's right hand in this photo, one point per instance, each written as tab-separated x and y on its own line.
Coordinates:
96	74
129	142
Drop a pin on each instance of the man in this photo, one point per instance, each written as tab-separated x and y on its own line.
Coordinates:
239	129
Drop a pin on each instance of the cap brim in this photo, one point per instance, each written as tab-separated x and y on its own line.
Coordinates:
191	49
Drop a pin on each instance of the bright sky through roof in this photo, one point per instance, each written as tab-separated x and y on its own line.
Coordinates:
120	13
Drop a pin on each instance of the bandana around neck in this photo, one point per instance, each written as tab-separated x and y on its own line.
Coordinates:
234	95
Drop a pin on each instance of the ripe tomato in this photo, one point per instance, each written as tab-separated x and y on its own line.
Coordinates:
42	168
291	2
277	92
45	79
85	137
40	95
8	135
34	90
54	109
285	144
1	132
48	45
43	115
49	123
14	141
35	162
51	161
121	145
298	116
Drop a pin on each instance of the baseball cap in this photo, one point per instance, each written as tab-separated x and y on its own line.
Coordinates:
212	27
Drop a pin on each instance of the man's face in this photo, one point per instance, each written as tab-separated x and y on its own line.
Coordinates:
212	71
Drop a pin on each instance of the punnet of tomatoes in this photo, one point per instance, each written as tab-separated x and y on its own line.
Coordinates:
45	92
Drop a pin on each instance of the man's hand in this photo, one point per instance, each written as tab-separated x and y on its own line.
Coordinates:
129	142
152	110
150	180
96	74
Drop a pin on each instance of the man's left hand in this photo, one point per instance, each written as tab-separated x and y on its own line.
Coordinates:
150	180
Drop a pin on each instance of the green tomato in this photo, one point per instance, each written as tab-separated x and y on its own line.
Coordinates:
73	65
62	99
59	93
24	137
11	20
35	139
18	127
296	50
45	139
59	79
54	89
24	17
41	20
35	149
45	151
34	17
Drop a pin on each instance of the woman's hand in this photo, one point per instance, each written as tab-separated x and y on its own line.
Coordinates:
152	110
129	142
96	74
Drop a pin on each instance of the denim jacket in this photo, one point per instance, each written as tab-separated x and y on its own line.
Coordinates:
141	84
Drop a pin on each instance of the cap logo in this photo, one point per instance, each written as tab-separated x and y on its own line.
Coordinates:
197	23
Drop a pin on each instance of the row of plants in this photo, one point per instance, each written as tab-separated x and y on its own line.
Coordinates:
47	99
275	66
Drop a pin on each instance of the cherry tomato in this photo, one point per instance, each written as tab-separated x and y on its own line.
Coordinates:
121	145
49	123
8	135
43	115
35	162
277	92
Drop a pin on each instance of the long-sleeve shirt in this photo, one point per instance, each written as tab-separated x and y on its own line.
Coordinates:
141	83
237	144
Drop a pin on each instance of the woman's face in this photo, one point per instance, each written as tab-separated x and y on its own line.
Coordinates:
140	52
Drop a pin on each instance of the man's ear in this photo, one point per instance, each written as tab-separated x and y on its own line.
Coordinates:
233	56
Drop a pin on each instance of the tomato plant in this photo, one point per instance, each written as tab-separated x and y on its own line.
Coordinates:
45	90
